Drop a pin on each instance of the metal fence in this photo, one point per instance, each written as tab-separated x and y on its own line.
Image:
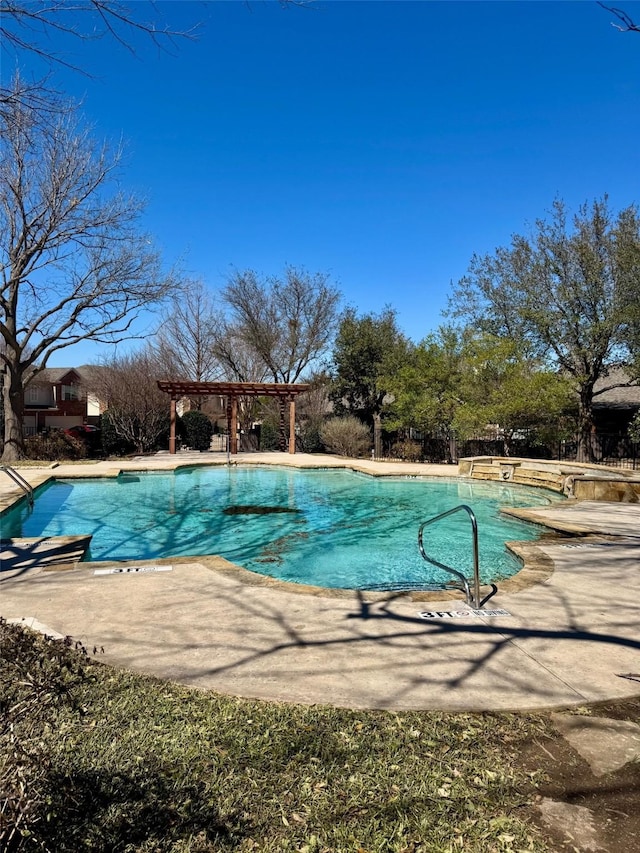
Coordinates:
612	449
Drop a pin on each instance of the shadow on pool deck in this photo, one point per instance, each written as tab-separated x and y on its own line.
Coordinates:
27	553
567	640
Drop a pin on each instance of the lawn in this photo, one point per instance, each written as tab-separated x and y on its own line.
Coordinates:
98	759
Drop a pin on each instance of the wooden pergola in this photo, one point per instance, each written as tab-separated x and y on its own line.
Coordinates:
286	393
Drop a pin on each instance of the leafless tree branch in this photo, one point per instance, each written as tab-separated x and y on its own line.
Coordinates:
626	23
184	343
24	25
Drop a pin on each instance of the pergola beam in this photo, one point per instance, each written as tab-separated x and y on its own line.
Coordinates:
238	389
286	392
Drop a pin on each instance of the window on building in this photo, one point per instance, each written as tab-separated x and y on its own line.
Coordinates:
70	392
36	395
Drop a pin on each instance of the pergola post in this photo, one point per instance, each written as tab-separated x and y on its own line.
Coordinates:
292	424
172	425
233	434
282	433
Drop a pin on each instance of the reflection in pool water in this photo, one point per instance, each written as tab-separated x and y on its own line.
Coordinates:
331	528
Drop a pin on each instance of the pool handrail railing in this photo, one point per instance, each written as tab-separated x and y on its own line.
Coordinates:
473	598
20	481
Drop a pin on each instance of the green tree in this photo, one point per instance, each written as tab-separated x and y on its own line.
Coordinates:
424	390
501	386
367	350
567	294
455	383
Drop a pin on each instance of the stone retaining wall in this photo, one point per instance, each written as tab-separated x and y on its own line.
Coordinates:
577	480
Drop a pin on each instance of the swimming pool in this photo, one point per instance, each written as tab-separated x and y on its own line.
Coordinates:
330	528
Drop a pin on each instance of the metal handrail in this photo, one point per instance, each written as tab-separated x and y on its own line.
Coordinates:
19	480
472	599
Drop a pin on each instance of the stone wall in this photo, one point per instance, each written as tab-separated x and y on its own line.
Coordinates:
577	480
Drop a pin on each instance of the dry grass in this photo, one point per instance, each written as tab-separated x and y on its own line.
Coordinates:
96	759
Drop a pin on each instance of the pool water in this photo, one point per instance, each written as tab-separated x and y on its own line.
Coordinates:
330	528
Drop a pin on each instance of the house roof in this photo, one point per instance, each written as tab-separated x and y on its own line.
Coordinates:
57	374
616	390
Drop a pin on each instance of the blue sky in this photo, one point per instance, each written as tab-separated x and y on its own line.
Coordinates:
383	143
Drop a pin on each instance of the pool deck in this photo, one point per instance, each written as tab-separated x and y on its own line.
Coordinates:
570	636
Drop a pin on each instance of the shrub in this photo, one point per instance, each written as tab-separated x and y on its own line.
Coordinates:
54	444
308	439
407	450
127	430
346	436
269	435
198	430
112	443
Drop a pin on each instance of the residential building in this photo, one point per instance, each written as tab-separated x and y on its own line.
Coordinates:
57	399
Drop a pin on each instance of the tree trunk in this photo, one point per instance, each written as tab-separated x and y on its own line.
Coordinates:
377	435
13	399
506	444
453	449
586	426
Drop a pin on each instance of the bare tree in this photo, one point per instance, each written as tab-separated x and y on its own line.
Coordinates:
185	340
287	321
137	412
27	27
238	360
73	265
312	409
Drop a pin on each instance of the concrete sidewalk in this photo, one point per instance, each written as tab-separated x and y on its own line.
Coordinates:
570	639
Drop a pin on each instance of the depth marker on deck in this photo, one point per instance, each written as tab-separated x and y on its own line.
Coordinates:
460	614
132	570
